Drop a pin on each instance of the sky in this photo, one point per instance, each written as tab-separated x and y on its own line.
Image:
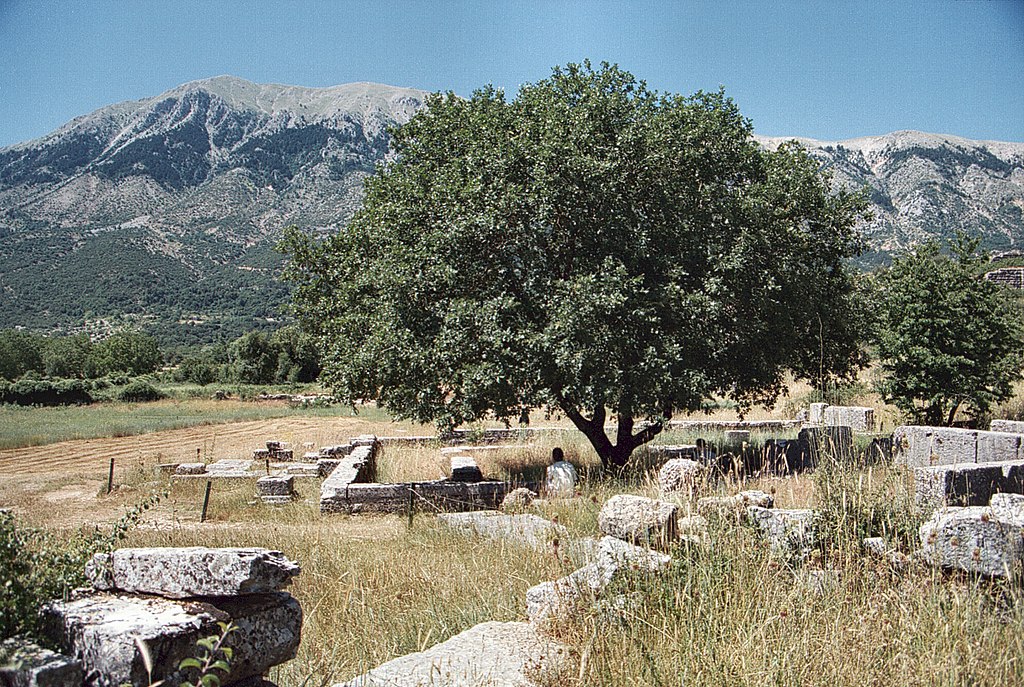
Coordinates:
829	70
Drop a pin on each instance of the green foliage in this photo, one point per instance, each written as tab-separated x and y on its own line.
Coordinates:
127	352
65	356
947	340
43	392
20	352
139	391
37	566
588	246
253	360
211	656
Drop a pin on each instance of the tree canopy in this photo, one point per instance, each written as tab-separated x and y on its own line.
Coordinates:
947	339
589	246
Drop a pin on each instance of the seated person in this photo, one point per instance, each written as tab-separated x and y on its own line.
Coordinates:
561	476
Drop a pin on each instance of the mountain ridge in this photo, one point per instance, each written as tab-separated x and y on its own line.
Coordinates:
167	208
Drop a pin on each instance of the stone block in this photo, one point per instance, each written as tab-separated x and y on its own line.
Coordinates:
782	456
364	440
190	469
525	529
859	418
788	532
101	631
966	484
639	520
441	495
493	654
303	469
918	446
336	451
736	437
30	665
995	447
180	573
681	474
972	540
1010	426
518	499
566	595
717	506
816	413
1008	508
463	468
275	485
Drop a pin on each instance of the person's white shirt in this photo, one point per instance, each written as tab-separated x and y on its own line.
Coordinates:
560	480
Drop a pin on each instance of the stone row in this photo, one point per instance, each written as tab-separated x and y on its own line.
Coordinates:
441	495
966	484
860	419
919	446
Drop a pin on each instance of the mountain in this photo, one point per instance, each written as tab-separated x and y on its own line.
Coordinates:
925	186
168	208
164	211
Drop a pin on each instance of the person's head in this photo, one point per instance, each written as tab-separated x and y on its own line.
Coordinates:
557	454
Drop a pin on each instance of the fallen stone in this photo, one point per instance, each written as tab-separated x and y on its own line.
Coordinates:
180	573
276	485
527	530
29	665
711	506
1010	426
101	631
491	654
966	484
565	596
971	539
639	520
788	532
190	469
681	474
518	499
859	418
463	468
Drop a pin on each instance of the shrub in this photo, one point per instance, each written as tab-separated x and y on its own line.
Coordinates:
41	392
139	392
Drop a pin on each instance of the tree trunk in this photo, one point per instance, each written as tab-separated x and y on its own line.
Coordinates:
613	456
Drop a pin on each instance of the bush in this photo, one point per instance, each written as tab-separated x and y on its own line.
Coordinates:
139	392
41	392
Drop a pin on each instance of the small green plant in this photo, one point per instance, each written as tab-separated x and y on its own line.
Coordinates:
211	656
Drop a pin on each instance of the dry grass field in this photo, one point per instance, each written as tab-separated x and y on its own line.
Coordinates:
377	587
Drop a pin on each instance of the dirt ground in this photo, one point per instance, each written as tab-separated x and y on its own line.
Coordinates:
64	484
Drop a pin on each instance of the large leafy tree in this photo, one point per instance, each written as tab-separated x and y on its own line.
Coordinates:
947	339
591	247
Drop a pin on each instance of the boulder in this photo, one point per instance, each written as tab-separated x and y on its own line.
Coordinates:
788	532
566	595
518	499
102	630
973	540
30	665
492	654
180	573
525	529
712	506
638	519
680	474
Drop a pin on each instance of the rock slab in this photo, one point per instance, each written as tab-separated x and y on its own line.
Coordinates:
179	573
100	630
680	474
639	520
788	531
970	484
491	654
29	665
972	539
525	529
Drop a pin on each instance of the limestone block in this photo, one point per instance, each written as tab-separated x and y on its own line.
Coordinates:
1008	508
491	654
966	484
693	529
1011	426
972	540
101	631
518	499
179	573
276	485
303	469
365	440
335	451
525	529
712	506
680	474
29	665
464	469
566	595
788	532
190	469
997	446
638	519
859	418
436	496
917	446
816	413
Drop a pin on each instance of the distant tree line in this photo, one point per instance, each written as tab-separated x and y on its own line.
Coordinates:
51	370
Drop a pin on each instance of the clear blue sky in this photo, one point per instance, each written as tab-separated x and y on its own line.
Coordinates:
831	70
